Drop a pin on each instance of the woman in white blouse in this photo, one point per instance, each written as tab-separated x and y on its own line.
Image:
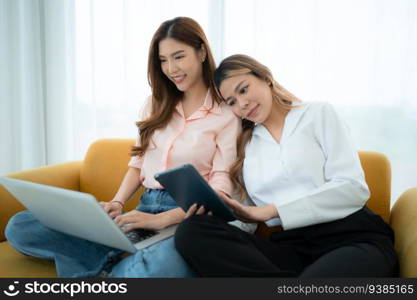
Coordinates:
297	163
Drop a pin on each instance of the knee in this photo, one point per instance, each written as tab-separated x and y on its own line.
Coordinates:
189	232
16	227
184	230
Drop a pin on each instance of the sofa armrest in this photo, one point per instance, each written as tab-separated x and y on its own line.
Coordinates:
66	175
404	222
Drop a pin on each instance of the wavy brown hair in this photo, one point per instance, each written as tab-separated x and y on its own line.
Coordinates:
240	64
165	95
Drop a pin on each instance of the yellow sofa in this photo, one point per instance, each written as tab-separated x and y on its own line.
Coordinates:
106	163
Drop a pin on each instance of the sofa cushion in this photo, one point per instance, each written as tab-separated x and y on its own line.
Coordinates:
378	177
15	264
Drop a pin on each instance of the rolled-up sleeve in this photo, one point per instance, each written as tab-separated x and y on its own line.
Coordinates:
225	156
137	161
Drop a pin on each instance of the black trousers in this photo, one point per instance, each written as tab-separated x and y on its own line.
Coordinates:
360	245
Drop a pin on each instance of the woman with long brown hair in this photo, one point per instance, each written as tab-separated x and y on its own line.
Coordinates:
297	163
183	121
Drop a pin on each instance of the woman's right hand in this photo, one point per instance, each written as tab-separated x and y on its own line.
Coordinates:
195	210
113	208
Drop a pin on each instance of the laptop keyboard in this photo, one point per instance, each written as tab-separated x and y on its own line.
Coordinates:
137	235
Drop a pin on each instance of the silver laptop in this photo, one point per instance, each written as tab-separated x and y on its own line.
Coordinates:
79	214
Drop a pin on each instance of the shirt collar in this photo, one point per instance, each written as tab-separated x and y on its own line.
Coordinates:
291	120
209	106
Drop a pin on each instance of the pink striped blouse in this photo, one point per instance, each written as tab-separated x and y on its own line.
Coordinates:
206	139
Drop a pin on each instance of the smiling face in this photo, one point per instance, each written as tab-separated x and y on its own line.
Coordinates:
181	63
249	97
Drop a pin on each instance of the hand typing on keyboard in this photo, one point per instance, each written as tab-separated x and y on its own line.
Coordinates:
137	219
125	226
137	235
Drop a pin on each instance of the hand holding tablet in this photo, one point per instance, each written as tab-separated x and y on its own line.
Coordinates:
186	186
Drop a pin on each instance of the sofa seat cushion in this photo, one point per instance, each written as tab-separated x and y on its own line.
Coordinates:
15	264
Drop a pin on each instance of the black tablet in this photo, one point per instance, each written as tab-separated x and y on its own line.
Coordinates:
186	186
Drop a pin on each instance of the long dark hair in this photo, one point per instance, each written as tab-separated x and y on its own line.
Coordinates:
165	95
240	64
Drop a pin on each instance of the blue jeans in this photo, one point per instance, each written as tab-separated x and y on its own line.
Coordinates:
76	257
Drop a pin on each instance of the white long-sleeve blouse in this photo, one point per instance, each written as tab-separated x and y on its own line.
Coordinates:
313	175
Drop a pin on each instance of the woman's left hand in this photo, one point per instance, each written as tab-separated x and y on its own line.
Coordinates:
137	219
250	214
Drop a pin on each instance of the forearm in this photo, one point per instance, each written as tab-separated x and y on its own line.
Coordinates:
173	216
271	212
129	185
250	213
